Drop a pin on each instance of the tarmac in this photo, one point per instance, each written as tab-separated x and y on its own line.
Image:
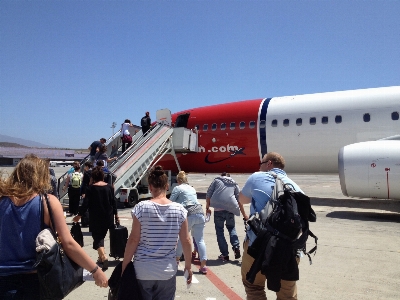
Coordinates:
358	254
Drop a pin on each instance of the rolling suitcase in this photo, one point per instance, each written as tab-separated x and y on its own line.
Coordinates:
118	238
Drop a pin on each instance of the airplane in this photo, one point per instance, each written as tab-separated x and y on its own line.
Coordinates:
354	133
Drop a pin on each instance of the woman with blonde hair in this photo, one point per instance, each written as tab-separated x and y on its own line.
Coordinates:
187	196
20	222
157	223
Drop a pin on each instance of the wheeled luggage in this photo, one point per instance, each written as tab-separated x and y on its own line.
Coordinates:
118	238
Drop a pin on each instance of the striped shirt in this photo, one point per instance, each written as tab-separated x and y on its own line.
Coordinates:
160	226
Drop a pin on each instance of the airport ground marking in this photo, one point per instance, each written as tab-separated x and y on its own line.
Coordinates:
219	284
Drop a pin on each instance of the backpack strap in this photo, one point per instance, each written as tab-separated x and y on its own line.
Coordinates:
314	249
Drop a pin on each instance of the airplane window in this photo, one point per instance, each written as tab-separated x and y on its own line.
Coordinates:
313	120
214	127
395	115
233	125
242	125
262	124
286	122
223	126
367	117
205	127
252	124
197	127
274	123
338	119
299	121
324	120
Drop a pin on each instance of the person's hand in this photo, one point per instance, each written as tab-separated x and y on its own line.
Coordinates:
245	217
76	219
208	211
116	219
100	278
189	278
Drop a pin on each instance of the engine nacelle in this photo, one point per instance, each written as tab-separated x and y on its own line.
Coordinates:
370	169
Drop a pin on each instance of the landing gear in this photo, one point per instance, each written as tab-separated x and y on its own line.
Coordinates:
133	198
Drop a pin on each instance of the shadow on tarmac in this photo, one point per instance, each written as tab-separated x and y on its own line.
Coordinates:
365	216
389	205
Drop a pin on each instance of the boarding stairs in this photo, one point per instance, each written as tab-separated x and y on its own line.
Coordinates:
114	148
146	151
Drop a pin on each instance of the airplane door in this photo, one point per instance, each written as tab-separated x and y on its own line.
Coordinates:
182	120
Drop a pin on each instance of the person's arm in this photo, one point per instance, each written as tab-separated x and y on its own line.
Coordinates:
185	239
174	194
245	216
244	199
66	183
132	243
72	248
208	210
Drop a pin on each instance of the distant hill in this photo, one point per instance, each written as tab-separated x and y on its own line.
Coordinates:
20	142
7	144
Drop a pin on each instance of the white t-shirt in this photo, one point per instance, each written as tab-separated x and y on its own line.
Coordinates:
155	256
125	129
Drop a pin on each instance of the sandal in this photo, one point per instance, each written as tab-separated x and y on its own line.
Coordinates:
203	270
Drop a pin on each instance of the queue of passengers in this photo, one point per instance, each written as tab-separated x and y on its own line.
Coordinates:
155	260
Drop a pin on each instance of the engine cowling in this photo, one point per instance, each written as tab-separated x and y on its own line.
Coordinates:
370	169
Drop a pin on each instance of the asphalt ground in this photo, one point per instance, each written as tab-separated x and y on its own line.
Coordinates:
358	254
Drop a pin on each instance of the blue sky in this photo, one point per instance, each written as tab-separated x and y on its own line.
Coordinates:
68	69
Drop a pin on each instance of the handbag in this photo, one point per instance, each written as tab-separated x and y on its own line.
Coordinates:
126	138
76	233
58	275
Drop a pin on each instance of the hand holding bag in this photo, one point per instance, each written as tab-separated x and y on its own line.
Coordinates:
58	275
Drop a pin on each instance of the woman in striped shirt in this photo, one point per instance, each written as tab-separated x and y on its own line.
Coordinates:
157	224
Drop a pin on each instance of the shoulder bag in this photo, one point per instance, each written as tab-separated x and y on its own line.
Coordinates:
58	275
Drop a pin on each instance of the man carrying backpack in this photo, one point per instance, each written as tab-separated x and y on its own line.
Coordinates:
145	122
257	191
74	182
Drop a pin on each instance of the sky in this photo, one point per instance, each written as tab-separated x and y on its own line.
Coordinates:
69	69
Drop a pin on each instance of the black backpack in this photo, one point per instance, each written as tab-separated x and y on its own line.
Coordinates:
143	122
287	214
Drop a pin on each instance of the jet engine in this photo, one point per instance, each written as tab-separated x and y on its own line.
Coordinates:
370	169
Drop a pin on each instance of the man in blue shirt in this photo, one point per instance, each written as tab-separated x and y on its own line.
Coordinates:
257	191
93	148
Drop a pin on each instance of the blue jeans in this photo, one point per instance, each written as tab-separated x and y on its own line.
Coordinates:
219	219
158	289
196	227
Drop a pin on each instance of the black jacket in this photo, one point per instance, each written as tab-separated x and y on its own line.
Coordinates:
125	287
275	258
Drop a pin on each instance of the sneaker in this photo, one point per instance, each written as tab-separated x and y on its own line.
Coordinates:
237	252
224	258
203	270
